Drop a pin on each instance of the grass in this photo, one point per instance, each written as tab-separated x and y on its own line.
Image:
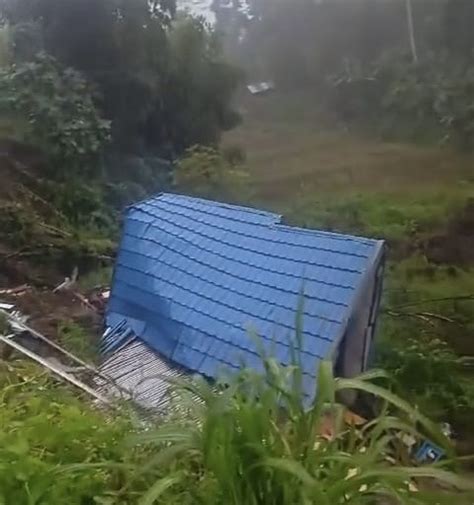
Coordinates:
254	440
78	341
392	216
45	432
101	277
293	150
249	439
426	337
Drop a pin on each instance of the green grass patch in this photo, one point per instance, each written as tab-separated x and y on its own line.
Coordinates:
54	448
78	341
394	217
426	336
101	277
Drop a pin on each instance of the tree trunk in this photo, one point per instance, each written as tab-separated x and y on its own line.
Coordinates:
411	31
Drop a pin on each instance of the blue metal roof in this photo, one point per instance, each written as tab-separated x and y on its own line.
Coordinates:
193	276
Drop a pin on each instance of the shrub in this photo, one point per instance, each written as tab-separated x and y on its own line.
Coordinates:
56	107
203	171
423	101
54	448
234	154
429	372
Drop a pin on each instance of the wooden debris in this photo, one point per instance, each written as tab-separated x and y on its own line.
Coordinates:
54	368
15	291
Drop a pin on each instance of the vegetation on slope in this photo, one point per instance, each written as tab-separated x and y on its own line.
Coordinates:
250	439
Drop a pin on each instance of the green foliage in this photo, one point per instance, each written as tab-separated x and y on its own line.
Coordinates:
46	432
394	217
254	439
56	104
200	86
82	204
429	99
162	82
101	277
296	43
251	438
426	336
427	326
54	240
432	375
77	340
203	171
234	154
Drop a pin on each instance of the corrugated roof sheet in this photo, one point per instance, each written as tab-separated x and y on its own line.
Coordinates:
143	373
193	276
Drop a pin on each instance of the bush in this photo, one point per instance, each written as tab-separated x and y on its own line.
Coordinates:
59	115
203	171
54	449
234	154
78	341
430	373
423	101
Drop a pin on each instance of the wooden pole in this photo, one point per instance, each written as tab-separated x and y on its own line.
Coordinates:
55	369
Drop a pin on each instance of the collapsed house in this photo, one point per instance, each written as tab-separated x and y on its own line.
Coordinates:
194	277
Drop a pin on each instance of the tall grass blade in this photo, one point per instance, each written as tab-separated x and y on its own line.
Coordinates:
158	488
167	433
396	401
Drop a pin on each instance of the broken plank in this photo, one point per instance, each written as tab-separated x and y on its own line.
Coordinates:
55	369
55	346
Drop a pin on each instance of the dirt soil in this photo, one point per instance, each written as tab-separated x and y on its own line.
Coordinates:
46	310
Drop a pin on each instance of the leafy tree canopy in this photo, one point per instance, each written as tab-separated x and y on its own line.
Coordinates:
56	109
161	81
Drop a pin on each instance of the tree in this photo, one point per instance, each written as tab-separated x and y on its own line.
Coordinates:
458	20
56	108
5	49
160	92
199	87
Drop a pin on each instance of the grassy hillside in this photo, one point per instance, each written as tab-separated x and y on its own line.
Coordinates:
294	151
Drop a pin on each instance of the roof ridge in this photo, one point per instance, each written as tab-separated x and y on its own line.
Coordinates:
335	235
213	203
266	239
277	223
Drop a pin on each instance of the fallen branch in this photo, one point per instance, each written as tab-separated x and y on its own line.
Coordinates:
439	317
55	369
426	317
54	229
14	291
83	300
